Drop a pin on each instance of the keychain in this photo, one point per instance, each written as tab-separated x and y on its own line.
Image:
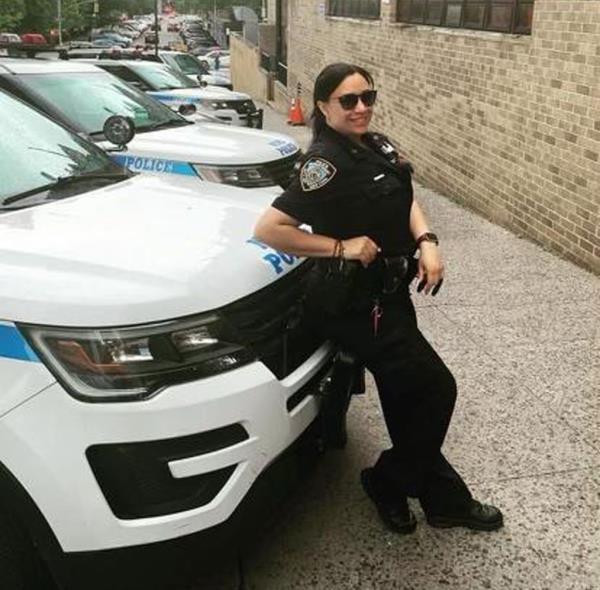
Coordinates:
376	314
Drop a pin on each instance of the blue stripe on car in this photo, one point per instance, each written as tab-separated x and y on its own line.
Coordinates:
166	97
14	346
142	164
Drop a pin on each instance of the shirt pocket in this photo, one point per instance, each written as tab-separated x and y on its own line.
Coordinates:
383	187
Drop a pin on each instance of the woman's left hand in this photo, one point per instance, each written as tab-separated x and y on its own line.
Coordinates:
431	269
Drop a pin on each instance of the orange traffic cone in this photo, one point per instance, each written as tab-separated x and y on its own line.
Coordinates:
295	116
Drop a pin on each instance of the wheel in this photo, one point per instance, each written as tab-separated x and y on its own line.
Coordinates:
20	568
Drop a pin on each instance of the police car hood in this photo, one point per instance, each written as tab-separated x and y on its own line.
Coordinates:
139	251
192	94
217	78
210	143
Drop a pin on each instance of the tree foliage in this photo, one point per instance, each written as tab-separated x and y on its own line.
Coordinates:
42	15
11	14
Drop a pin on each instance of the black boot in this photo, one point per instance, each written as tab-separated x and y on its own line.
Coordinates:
395	513
476	516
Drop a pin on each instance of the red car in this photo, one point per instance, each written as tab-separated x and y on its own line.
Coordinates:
34	38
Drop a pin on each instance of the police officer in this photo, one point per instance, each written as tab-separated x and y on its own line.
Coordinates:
355	192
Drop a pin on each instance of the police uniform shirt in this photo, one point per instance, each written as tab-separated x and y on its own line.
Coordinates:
345	190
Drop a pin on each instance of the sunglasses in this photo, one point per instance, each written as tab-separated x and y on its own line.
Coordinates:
349	101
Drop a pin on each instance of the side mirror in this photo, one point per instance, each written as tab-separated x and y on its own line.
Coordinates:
203	83
187	110
119	130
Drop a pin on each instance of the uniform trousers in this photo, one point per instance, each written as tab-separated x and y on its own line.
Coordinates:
417	393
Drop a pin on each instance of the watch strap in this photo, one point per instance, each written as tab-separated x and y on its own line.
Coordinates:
427	237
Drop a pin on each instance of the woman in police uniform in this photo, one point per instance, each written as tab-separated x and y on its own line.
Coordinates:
356	193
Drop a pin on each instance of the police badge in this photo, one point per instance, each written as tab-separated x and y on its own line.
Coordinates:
316	173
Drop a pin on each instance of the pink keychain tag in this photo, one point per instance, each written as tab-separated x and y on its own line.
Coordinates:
376	314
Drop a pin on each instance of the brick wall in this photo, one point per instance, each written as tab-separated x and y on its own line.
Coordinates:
508	125
246	75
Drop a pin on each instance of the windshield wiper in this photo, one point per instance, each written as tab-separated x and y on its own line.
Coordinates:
162	124
65	181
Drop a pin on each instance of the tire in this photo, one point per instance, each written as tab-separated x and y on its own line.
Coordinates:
20	568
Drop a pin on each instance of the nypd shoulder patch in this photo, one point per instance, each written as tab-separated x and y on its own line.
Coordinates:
316	173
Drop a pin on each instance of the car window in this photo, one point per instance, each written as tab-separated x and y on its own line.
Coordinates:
35	151
88	99
188	64
164	78
128	75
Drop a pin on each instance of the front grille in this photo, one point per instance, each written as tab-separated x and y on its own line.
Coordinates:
272	324
242	107
282	171
137	483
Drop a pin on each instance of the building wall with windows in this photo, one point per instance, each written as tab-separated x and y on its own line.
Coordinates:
508	124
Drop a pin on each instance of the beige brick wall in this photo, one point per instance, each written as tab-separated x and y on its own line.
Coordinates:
508	125
246	75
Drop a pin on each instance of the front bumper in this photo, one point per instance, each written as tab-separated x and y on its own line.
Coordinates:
58	475
192	558
253	119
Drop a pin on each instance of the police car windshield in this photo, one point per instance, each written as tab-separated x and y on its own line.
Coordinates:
188	64
87	99
35	152
160	77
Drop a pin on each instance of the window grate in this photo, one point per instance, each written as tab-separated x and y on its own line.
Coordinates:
504	16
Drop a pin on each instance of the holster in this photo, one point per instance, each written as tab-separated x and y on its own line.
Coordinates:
396	270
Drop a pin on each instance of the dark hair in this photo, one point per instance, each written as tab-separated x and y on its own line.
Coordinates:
327	81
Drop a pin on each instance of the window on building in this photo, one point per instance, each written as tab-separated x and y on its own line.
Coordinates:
354	8
506	16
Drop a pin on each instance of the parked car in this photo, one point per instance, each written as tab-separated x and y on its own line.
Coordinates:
195	69
217	59
109	34
10	38
81	96
175	89
104	42
201	50
34	38
153	364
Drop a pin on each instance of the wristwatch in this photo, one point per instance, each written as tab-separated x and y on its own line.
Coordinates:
427	237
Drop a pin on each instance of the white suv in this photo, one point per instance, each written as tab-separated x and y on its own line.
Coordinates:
81	96
153	363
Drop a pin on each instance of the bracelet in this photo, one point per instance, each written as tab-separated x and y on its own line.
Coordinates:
338	249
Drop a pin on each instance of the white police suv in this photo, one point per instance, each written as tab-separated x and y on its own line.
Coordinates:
82	96
174	89
153	363
192	67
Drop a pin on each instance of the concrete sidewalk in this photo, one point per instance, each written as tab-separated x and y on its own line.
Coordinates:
519	328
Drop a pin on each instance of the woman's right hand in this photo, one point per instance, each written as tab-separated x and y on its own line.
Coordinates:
362	248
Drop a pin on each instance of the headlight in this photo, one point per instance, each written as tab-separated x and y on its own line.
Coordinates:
122	364
244	176
214	104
